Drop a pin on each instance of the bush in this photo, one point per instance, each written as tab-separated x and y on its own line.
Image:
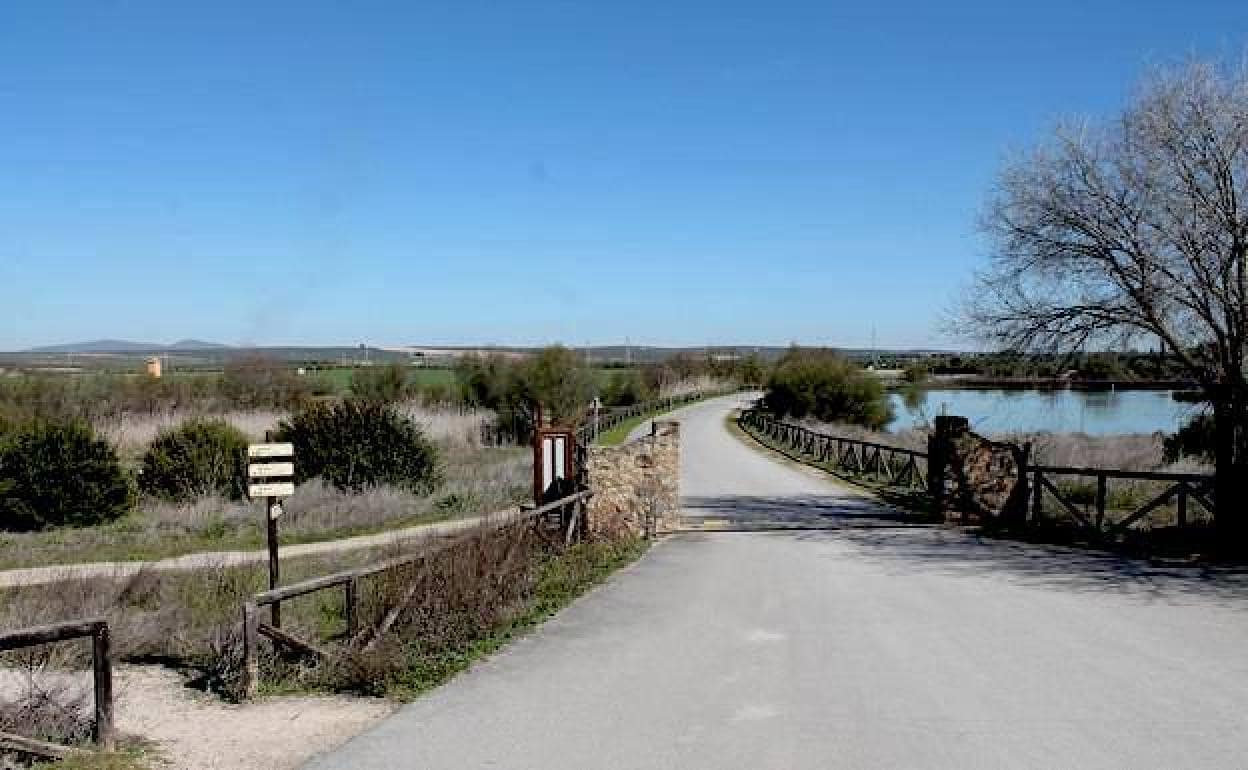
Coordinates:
356	444
60	474
381	384
827	387
626	388
1195	439
915	373
255	382
197	458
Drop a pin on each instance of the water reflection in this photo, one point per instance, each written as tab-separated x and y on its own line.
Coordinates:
1060	411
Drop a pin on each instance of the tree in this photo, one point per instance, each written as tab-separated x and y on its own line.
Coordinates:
1134	230
823	385
381	384
558	379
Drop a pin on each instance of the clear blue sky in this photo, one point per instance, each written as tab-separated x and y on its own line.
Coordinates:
461	172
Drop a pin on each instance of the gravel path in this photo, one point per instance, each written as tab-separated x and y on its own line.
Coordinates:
121	569
864	644
194	731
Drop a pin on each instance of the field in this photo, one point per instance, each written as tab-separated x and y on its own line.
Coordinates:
477	479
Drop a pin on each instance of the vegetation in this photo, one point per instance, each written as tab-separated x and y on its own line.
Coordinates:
478	595
380	384
471	597
1133	230
56	474
357	444
824	386
627	387
199	457
1194	440
557	379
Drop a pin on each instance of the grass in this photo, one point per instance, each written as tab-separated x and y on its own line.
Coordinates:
122	759
561	580
338	379
619	434
477	481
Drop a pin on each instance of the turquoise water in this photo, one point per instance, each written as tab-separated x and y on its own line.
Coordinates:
1060	411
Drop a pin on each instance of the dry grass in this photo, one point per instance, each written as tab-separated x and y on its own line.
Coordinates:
694	385
448	425
132	434
465	599
476	481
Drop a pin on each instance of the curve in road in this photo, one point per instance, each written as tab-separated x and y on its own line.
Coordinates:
879	646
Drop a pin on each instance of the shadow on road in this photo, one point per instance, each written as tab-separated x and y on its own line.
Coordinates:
788	512
918	551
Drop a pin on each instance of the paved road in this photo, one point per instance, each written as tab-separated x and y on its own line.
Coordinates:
863	645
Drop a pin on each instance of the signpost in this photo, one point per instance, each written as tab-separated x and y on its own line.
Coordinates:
272	478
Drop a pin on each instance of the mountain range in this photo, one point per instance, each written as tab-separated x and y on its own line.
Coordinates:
126	346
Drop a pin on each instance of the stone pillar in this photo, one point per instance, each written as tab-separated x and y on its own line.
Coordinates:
940	458
636	485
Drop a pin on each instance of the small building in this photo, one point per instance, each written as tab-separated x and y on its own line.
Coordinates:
152	367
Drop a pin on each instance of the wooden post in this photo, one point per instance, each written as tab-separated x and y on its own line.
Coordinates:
1037	491
1182	506
350	595
105	737
275	608
251	638
1101	483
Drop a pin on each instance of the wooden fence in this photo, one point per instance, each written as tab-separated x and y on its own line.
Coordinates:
892	465
1180	487
592	428
102	675
898	466
565	516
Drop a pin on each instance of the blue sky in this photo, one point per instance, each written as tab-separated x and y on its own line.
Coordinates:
465	173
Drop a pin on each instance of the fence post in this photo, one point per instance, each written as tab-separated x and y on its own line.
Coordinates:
1182	505
939	452
349	597
101	644
251	667
1037	505
1101	483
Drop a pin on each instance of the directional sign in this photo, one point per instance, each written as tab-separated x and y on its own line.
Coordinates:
270	470
271	450
273	489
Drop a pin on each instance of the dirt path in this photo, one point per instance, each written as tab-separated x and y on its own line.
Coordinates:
30	576
194	731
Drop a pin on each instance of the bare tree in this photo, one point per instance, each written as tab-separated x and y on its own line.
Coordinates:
1136	229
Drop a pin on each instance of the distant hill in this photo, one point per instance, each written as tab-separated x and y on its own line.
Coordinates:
126	346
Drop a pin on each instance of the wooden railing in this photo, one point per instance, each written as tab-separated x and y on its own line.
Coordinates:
566	516
1181	487
884	463
898	466
102	676
591	429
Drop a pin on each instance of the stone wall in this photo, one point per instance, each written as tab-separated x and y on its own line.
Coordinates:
976	476
635	481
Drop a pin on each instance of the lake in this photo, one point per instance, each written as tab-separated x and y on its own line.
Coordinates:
1096	413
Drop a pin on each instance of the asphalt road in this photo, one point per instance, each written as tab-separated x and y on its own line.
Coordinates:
865	644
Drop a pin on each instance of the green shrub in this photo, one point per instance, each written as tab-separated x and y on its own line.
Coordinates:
197	458
820	384
356	444
1195	439
60	474
626	388
915	373
382	384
